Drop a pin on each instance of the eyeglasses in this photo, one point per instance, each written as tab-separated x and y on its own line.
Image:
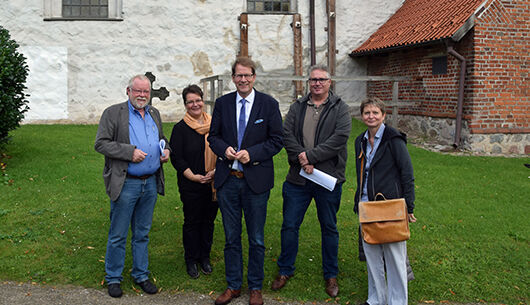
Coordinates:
241	76
138	91
318	80
193	102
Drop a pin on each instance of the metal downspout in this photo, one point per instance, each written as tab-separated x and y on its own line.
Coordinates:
312	31
460	105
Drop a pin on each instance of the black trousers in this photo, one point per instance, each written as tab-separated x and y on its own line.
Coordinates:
197	232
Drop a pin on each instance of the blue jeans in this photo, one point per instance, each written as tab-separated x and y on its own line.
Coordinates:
134	206
296	200
236	198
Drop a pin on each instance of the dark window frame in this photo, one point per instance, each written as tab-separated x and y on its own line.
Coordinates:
85	9
439	65
106	10
271	7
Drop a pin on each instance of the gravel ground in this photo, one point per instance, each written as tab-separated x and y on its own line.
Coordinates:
12	293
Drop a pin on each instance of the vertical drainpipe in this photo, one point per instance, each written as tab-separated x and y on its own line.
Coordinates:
312	31
460	105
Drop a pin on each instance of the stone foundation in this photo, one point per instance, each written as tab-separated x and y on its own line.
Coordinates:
441	131
506	144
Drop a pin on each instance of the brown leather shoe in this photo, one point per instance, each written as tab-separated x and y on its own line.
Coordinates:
255	298
227	296
280	281
332	287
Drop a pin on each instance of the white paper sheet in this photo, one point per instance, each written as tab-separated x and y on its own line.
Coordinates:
320	178
162	145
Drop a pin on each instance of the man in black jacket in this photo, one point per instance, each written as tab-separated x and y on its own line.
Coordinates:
316	131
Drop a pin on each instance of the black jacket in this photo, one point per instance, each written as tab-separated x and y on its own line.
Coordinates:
390	171
187	151
331	138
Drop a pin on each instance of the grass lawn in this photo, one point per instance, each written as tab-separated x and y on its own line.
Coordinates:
470	244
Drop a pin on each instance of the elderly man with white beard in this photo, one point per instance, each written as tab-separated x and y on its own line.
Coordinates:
129	135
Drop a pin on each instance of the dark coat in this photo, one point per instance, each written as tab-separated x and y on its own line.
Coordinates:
331	138
391	170
262	139
187	151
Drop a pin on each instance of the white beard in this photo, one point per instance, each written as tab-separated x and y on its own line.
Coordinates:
136	104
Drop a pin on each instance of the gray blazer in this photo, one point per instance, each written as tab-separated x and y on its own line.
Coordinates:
112	140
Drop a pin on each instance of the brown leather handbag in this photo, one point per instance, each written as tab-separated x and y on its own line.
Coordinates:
384	221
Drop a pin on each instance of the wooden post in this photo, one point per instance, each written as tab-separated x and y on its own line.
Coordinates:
243	29
204	88
298	69
219	88
332	48
395	95
212	92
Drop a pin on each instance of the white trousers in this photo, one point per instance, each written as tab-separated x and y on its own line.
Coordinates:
393	289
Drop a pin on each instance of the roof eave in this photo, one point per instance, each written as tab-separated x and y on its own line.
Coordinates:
464	29
396	48
457	36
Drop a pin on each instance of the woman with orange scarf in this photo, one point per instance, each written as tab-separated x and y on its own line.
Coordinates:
195	164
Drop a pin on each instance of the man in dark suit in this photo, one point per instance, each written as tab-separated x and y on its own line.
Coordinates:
246	132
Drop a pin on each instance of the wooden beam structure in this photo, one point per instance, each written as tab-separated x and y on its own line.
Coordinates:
332	36
243	30
298	64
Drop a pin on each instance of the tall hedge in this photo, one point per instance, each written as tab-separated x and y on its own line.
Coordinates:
13	73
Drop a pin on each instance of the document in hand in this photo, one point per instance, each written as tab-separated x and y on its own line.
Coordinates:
162	145
320	178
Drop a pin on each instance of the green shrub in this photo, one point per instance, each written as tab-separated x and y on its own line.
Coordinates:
13	73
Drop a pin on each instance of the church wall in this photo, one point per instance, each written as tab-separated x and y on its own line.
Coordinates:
78	68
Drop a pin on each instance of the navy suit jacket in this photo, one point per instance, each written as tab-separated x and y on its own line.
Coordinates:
262	139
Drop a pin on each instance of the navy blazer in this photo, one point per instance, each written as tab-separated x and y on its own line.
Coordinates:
262	139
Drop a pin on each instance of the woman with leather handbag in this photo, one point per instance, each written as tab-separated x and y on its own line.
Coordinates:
383	166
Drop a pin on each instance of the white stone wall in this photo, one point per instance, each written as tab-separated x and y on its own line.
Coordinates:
180	42
48	81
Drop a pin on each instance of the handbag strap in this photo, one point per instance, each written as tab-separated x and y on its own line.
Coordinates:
361	156
379	194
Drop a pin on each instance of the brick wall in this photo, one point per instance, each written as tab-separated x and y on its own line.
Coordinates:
501	102
496	92
434	95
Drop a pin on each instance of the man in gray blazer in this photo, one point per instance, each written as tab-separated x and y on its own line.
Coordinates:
128	136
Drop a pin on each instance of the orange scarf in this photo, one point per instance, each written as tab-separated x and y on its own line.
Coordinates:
203	129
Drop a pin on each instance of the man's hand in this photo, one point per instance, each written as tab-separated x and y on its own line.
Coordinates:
308	168
412	218
230	153
165	158
138	156
243	156
302	158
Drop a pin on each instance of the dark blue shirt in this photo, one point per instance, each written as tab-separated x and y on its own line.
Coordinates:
143	133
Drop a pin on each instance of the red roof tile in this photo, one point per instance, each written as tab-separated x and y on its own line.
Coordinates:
419	21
